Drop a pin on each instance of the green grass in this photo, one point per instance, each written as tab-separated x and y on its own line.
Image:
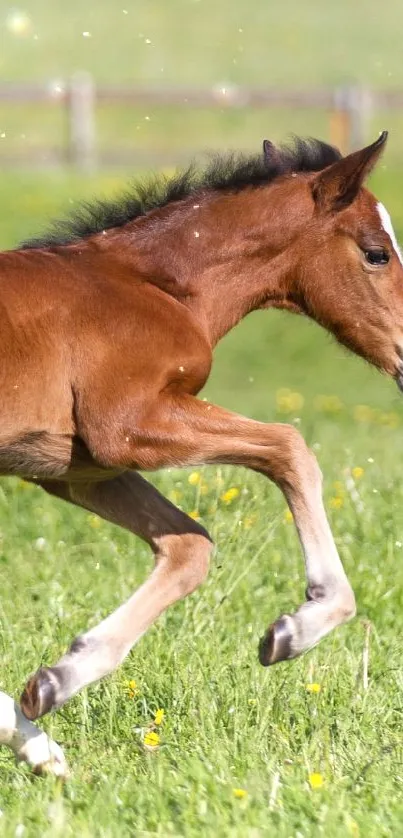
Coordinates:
199	43
228	723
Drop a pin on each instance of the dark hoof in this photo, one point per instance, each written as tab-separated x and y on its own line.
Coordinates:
39	695
275	646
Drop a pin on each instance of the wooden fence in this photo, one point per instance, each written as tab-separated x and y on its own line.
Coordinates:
349	110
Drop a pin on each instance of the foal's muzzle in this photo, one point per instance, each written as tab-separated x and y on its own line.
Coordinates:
399	373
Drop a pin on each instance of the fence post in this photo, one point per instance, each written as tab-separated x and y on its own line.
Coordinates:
350	117
81	116
340	120
360	115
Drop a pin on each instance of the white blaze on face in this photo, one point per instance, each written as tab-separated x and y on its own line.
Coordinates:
388	227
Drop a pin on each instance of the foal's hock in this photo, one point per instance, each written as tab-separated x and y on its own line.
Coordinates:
109	323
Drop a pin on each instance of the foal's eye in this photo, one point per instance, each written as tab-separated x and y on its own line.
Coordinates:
377	256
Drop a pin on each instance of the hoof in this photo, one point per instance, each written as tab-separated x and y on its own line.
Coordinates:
56	765
39	695
275	646
44	756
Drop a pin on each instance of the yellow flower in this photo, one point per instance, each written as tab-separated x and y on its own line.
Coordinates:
288	516
194	478
159	716
194	514
363	413
336	503
230	495
132	688
328	404
389	420
249	521
313	688
287	401
175	495
353	828
315	781
151	739
252	701
239	793
357	472
339	489
94	521
24	485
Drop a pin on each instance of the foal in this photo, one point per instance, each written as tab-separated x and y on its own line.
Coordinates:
108	328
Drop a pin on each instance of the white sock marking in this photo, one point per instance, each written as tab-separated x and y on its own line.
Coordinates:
28	742
388	227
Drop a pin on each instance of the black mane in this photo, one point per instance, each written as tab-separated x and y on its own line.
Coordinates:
230	172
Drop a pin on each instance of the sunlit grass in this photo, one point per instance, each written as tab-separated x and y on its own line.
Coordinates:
191	736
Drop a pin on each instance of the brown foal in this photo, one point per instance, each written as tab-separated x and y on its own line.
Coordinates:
108	329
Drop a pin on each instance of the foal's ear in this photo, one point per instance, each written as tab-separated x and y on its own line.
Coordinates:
336	187
270	153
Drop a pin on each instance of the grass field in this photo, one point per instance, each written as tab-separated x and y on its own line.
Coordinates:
200	43
303	749
240	747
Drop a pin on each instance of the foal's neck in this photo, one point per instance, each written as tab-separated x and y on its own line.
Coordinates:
223	255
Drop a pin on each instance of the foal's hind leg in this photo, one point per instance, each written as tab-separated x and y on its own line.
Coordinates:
29	743
182	549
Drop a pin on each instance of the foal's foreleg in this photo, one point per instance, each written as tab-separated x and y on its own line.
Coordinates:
182	548
29	743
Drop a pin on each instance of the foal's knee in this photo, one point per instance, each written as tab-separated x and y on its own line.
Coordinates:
187	557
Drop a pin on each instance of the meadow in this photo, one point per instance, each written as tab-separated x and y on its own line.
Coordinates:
191	736
304	748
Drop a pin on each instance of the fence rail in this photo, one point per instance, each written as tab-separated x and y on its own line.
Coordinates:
349	110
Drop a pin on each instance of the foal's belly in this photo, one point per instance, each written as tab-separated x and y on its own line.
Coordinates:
41	455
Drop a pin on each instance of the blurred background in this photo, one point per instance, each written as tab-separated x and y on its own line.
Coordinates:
95	93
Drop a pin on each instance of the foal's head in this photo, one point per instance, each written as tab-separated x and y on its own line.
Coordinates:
346	267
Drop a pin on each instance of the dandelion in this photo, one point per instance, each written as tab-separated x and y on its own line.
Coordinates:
249	521
313	688
194	478
363	413
328	404
194	514
151	740
240	794
23	486
288	516
230	495
336	503
159	716
132	688
175	495
288	401
353	828
315	780
94	521
388	420
357	472
339	489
